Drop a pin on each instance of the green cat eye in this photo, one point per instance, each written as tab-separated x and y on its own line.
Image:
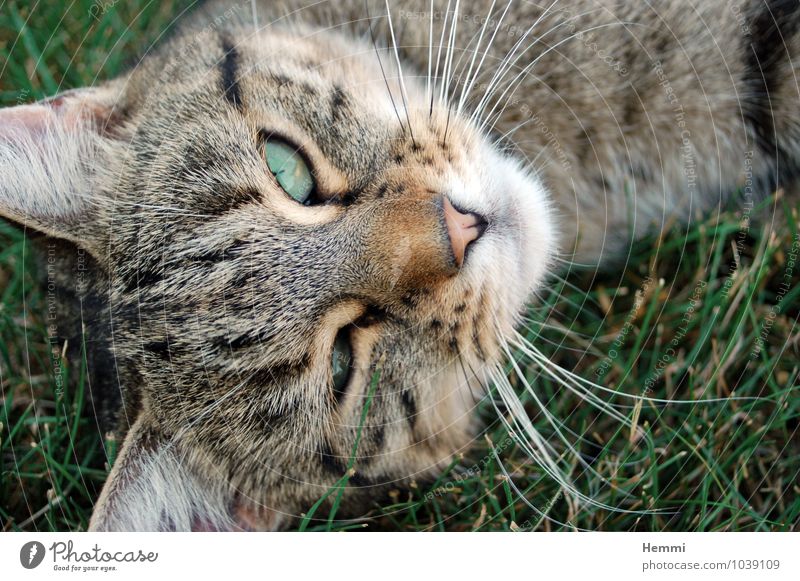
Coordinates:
341	361
290	169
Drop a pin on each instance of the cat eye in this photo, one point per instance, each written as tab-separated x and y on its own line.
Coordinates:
290	169
341	361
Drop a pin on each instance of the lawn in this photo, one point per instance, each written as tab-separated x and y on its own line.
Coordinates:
692	347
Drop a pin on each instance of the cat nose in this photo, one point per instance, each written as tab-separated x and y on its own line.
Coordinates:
463	229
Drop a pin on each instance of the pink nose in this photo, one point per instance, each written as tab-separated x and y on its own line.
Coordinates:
463	228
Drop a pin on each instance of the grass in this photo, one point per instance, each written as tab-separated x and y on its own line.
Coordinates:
701	314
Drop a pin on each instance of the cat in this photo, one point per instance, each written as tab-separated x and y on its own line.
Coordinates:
306	231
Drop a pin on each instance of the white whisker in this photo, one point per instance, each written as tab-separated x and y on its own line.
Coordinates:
542	452
448	61
254	9
557	425
514	83
535	354
471	79
542	515
504	63
428	90
403	93
439	51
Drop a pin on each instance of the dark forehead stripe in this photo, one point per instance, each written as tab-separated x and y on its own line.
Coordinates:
228	67
339	104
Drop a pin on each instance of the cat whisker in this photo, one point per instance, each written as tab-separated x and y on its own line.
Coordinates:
543	515
448	59
572	286
584	383
470	78
465	50
380	64
439	52
513	130
516	81
560	376
449	74
497	458
254	9
542	452
403	93
515	54
533	444
544	366
564	331
554	422
571	263
543	295
504	64
448	64
510	59
428	90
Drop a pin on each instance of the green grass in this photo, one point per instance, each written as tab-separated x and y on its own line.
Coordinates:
730	465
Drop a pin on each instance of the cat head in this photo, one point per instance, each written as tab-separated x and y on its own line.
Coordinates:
311	263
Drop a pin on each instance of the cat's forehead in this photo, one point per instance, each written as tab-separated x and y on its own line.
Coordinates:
299	71
316	89
317	58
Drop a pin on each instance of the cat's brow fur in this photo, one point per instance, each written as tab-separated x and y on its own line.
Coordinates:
216	298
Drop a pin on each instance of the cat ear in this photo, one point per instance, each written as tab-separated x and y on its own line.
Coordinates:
151	488
49	153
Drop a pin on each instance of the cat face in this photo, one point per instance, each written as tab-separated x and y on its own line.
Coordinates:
305	256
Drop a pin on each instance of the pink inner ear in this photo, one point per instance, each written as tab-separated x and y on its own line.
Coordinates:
34	119
24	118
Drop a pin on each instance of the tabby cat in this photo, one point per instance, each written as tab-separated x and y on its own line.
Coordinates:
296	234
